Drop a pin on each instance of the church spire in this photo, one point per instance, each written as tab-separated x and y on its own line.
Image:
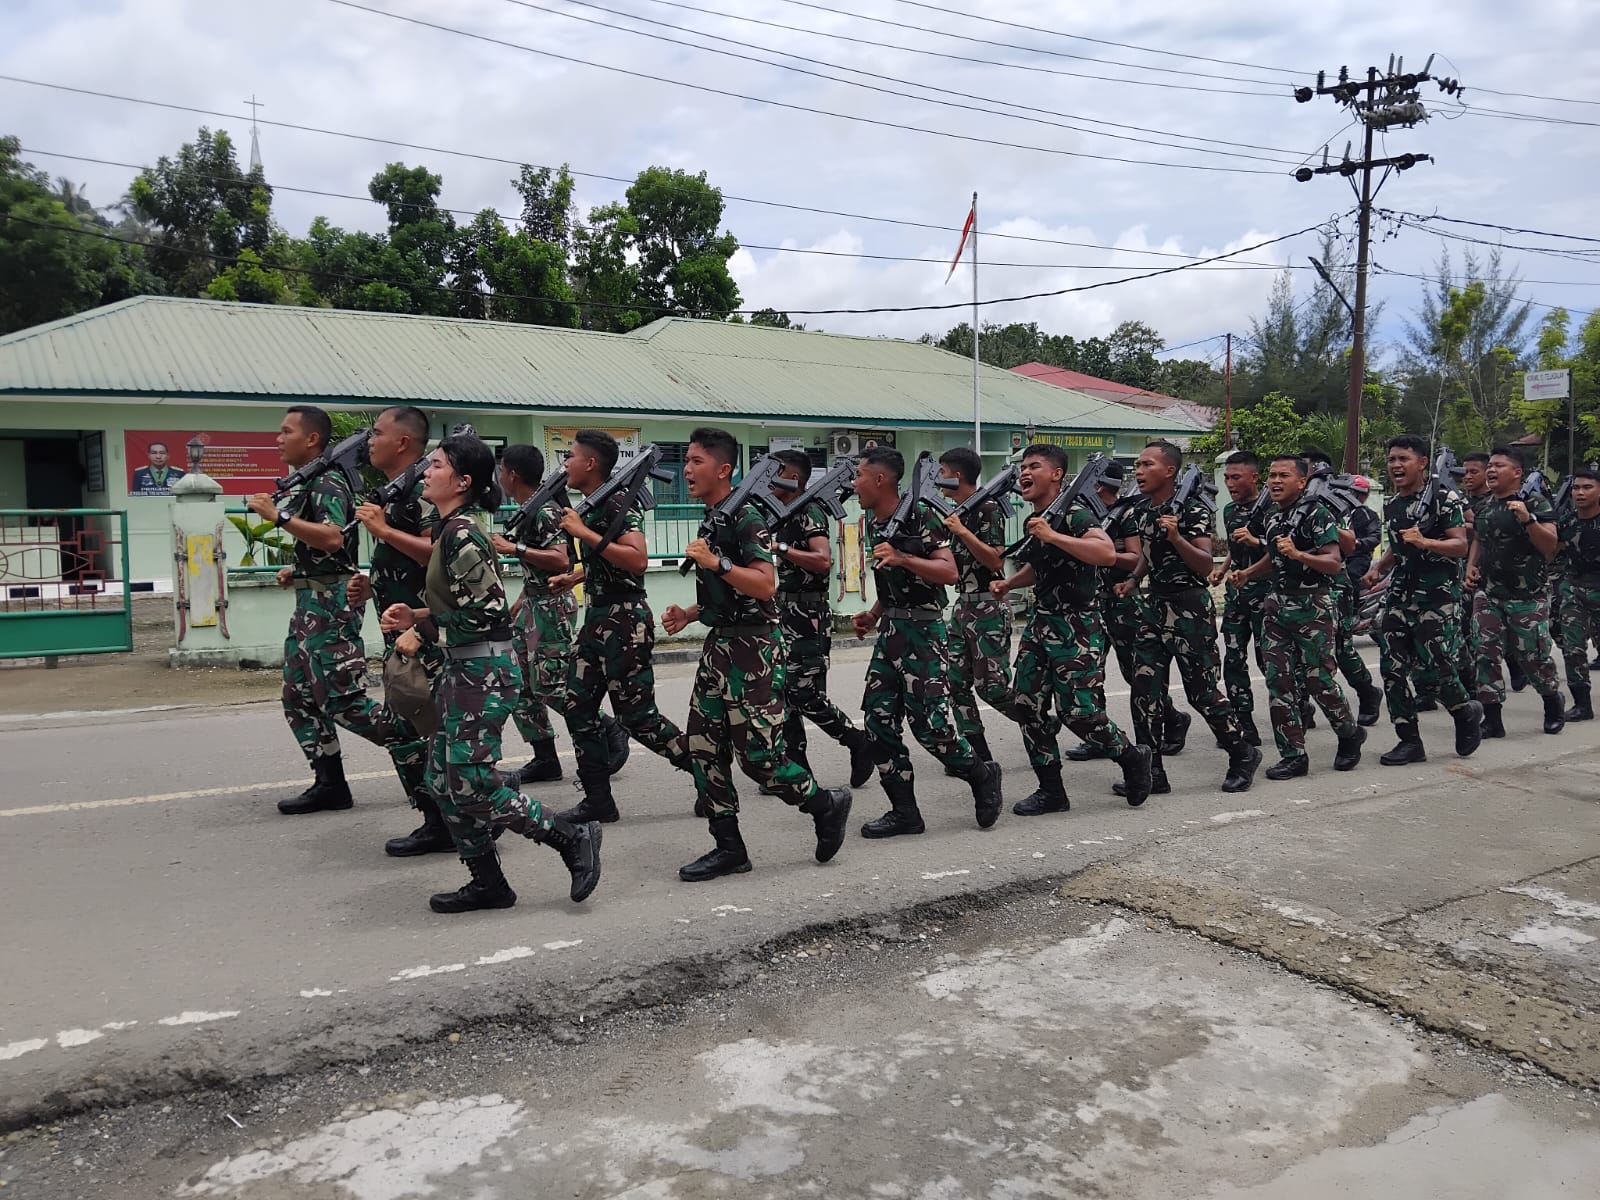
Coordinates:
255	133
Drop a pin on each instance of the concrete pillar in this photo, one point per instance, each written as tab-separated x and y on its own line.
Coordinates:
199	571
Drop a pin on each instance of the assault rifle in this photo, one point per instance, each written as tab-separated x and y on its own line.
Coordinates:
349	456
830	490
1533	484
1336	493
918	492
999	489
554	488
394	489
1563	496
1193	484
755	488
1085	486
1439	485
629	479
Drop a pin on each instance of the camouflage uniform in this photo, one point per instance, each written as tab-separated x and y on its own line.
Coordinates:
908	674
478	688
1469	602
1512	616
982	651
1124	617
1180	622
805	627
1348	659
324	662
612	655
1578	595
544	625
1242	613
1419	626
1062	657
1301	630
736	709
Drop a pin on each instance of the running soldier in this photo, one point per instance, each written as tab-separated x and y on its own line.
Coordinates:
1516	539
1355	544
1063	653
1242	614
1179	619
1419	625
618	634
544	622
907	677
1124	615
1300	621
324	663
804	557
1578	589
981	656
478	685
736	708
1474	491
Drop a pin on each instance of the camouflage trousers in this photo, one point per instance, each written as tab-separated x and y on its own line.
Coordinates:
907	678
1578	605
1351	665
1242	622
476	695
543	641
1062	661
324	686
980	659
1123	620
1518	629
1183	626
1299	643
736	712
612	657
804	682
1418	637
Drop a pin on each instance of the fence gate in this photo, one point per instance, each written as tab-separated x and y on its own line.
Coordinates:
55	594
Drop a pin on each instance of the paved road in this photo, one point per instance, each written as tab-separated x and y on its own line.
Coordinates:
165	926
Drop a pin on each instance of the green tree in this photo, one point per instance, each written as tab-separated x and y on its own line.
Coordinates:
251	281
605	276
1272	425
1133	347
683	259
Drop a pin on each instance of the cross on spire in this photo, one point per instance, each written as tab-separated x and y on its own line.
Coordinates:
255	132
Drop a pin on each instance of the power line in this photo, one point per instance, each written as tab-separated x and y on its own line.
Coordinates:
1535	96
805	108
1078	37
464	212
77	229
1383	270
1568	237
1020	116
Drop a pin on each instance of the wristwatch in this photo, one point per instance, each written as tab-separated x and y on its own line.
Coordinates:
521	549
782	547
724	565
282	519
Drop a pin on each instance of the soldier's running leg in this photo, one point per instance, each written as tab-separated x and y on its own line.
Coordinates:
1528	642
1579	606
531	715
1241	626
928	711
1351	665
980	665
883	713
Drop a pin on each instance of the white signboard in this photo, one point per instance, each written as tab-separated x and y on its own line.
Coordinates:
1547	385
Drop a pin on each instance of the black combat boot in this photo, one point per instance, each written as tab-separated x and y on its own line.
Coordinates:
1494	725
1554	719
984	778
431	837
1348	754
1582	708
830	812
597	803
1289	768
329	793
1517	677
1158	778
617	743
980	751
543	767
903	816
1242	763
1138	776
862	765
1469	728
1371	698
487	889
579	847
1049	797
1084	752
1408	749
1427	702
727	857
1175	733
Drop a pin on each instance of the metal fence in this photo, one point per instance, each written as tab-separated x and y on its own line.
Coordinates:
63	574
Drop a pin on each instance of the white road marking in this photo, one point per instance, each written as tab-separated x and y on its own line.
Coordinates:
74	713
198	1018
18	1049
943	874
509	954
1227	818
313	993
166	797
563	945
423	972
77	1037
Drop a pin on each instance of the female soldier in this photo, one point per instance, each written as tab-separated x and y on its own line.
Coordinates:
478	688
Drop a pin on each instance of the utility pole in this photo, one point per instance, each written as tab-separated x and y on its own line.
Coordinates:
1385	101
1227	397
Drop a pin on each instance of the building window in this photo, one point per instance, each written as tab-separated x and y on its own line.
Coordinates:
672	456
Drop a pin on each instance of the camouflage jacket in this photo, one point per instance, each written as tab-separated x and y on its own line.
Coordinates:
1420	572
604	582
1062	583
988	522
544	534
397	578
898	587
463	589
1313	527
1580	556
745	541
327	501
1119	524
1168	572
1243	516
1509	565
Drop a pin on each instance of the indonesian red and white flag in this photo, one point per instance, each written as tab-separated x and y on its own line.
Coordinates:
966	232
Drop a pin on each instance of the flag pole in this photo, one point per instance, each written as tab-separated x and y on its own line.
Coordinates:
977	399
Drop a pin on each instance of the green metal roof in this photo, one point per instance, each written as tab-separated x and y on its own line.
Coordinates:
206	350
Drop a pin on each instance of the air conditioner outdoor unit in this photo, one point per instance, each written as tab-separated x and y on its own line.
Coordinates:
842	444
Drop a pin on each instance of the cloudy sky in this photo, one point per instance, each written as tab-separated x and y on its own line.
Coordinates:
1049	84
